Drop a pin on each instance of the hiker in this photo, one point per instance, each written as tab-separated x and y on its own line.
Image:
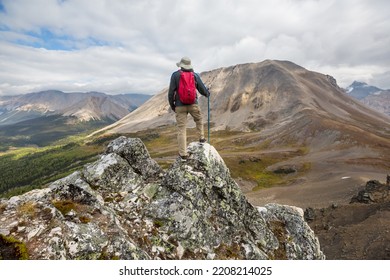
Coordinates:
183	101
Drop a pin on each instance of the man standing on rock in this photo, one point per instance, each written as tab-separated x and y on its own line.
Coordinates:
183	101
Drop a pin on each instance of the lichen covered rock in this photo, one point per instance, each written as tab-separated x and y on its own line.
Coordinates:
124	206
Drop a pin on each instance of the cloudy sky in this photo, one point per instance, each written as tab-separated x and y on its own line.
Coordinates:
132	46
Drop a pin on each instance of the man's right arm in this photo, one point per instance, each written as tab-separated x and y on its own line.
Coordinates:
171	92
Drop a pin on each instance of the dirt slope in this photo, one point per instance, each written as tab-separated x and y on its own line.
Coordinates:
358	230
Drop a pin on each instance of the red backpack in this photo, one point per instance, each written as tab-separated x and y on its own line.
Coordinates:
187	89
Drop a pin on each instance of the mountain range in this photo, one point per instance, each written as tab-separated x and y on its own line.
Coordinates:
84	106
40	118
278	106
373	97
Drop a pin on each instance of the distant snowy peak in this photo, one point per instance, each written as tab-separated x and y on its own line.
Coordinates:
361	90
374	97
356	85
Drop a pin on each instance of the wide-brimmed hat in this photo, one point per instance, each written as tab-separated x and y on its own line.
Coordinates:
185	63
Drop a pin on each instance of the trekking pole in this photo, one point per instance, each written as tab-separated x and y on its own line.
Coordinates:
208	118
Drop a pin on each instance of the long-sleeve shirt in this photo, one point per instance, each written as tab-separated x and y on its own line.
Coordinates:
173	97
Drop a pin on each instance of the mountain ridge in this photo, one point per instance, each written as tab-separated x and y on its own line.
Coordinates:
84	106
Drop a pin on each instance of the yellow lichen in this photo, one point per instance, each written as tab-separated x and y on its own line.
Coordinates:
64	206
28	209
12	249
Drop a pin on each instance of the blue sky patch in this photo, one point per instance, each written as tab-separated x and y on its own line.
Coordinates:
2	9
49	40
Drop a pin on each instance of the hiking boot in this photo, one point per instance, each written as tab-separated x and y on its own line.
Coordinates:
183	158
202	140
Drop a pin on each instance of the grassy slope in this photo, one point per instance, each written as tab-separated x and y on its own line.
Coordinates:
43	131
26	169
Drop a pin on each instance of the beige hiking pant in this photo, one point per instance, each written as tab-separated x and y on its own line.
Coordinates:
181	122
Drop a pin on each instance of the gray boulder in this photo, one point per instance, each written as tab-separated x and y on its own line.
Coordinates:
124	206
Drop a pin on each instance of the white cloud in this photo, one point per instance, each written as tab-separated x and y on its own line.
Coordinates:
133	45
114	70
371	74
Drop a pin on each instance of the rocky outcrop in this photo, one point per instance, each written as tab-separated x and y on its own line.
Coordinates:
124	206
358	230
373	192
